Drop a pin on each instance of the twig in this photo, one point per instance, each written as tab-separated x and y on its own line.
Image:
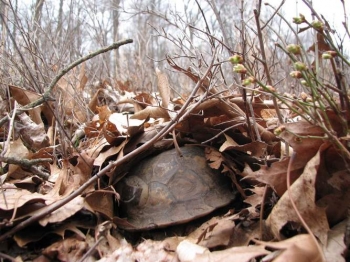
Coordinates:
266	69
6	145
273	15
29	164
5	256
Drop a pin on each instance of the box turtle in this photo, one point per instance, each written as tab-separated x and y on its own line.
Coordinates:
170	189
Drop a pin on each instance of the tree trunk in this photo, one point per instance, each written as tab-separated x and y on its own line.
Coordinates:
60	21
116	14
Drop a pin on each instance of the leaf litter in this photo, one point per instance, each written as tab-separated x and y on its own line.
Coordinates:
262	224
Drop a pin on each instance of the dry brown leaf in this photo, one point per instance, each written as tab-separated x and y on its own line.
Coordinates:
188	252
71	98
28	183
151	112
102	202
322	45
303	193
163	87
24	97
103	112
256	198
111	133
242	236
125	124
197	127
214	157
69	249
93	128
140	101
33	135
108	153
82	77
29	235
16	197
94	102
19	151
228	144
256	149
94	147
300	248
171	243
338	212
335	244
276	174
64	182
340	180
83	167
63	212
150	250
214	233
125	252
301	136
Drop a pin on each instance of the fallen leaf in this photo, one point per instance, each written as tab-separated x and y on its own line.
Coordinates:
335	245
14	198
163	87
214	157
63	212
300	248
69	249
188	251
303	193
24	97
216	232
33	135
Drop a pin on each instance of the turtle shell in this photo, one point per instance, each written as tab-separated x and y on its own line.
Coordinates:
170	189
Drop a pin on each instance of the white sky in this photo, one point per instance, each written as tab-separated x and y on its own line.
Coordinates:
332	10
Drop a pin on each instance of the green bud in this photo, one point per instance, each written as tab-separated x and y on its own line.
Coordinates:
236	59
239	68
304	83
248	81
267	88
296	74
294	49
279	130
299	20
300	66
326	55
318	25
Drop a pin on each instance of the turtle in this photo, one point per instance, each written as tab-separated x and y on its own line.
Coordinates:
170	189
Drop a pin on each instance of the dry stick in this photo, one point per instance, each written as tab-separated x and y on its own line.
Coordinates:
6	146
47	95
180	116
273	15
8	257
262	208
243	44
292	158
266	69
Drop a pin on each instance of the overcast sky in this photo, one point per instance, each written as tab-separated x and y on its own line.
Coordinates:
332	10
